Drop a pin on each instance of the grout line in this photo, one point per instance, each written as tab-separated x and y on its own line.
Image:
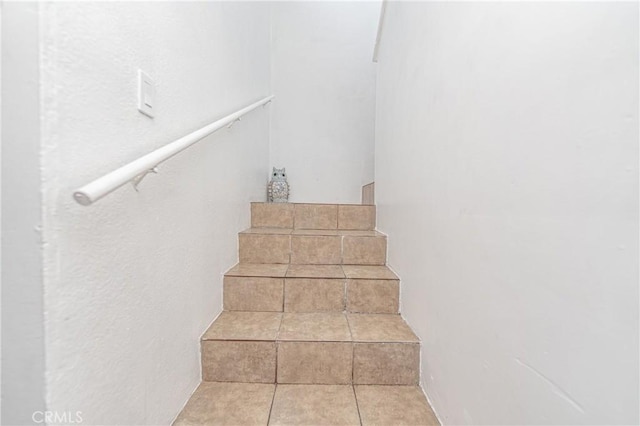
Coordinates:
286	272
284	297
353	350
355	396
284	283
346	317
344	296
279	328
277	345
273	398
294	217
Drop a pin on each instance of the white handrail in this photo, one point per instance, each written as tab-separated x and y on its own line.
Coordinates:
136	170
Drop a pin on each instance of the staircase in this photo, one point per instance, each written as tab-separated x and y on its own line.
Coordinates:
310	333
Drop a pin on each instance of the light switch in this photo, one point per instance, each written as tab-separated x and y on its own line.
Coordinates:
146	94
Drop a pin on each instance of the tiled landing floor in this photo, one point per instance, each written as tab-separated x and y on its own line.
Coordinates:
255	404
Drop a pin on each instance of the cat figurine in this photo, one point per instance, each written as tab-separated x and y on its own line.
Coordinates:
278	187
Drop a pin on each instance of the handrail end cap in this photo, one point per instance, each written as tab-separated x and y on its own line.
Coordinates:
82	198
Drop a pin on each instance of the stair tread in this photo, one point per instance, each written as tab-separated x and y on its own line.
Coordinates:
250	403
369	272
397	405
234	325
281	270
319	232
310	327
215	403
288	203
380	328
273	270
268	231
360	233
317	327
314	232
315	271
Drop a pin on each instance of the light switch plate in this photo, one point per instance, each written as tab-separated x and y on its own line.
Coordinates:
146	94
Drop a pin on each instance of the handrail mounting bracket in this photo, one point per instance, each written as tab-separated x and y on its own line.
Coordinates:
136	180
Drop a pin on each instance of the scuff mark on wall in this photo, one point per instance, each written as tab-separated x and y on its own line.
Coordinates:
554	386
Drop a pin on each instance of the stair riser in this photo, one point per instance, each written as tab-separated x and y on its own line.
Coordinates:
386	363
253	294
327	363
313	216
311	362
373	296
310	295
364	250
312	249
314	295
238	361
261	248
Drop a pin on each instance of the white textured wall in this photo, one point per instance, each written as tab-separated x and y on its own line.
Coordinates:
507	180
133	281
322	127
23	362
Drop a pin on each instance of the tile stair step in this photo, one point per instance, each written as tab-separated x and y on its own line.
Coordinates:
313	216
311	271
216	403
311	332
323	247
318	348
314	294
311	288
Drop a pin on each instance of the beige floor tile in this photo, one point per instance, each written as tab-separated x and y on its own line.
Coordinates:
244	326
228	404
315	271
380	328
264	248
373	296
356	217
238	361
253	294
276	215
314	405
364	250
314	295
315	249
267	231
386	363
277	270
328	327
371	272
315	362
394	405
316	216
